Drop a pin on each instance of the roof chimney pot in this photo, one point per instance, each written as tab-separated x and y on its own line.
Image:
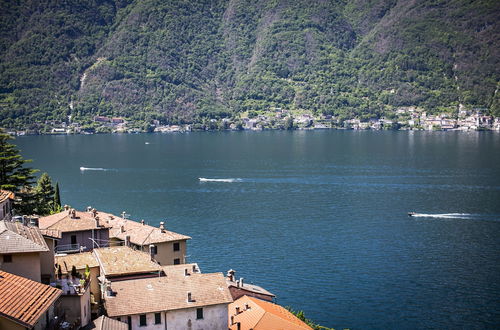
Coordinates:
162	226
142	222
190	298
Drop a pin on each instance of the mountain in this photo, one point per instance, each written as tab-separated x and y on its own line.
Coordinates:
182	61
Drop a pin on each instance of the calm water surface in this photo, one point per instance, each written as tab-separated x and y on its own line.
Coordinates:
319	218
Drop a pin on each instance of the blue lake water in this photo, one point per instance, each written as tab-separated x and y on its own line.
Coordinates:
317	217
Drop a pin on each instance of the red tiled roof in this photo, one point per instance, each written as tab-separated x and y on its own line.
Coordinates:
24	301
262	315
105	323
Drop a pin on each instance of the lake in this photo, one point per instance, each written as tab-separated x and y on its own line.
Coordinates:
319	218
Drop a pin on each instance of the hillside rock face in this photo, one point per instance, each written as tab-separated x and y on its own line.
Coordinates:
182	61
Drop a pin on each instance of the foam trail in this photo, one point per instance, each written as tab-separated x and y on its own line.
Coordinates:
220	180
444	215
92	169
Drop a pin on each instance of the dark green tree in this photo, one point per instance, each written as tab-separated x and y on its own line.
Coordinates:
44	192
57	198
14	176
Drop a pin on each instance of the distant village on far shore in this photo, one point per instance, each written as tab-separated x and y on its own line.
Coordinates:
405	118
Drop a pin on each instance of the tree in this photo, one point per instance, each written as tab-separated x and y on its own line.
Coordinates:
57	199
45	193
14	176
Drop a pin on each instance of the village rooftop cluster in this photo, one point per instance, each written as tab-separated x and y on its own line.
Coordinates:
405	118
94	270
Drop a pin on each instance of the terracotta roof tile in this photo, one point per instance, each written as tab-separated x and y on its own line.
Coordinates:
123	260
180	270
166	293
64	222
24	301
141	234
262	315
6	194
79	260
18	238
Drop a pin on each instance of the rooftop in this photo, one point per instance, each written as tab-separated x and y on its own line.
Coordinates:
166	293
249	287
6	194
79	260
18	238
105	323
262	315
24	301
123	260
181	270
140	233
71	220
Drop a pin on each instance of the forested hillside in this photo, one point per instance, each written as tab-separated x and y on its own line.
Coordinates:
182	61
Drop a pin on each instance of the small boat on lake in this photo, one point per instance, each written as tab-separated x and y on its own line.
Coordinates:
411	214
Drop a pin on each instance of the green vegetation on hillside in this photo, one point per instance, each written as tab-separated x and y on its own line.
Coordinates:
187	61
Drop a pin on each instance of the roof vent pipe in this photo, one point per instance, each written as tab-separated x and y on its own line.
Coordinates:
162	226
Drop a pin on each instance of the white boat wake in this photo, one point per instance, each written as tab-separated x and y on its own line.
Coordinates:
92	169
444	215
220	180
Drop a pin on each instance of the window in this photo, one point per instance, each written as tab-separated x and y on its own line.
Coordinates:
154	250
142	320
199	313
129	322
177	261
157	318
177	246
7	258
73	239
119	319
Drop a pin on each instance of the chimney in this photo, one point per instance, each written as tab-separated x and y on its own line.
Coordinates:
186	272
241	282
194	269
97	221
232	320
73	213
94	213
122	229
89	208
247	307
237	308
162	226
152	251
127	240
230	275
190	298
123	215
142	222
66	207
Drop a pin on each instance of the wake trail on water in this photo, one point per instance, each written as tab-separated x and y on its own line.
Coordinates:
228	180
468	216
94	169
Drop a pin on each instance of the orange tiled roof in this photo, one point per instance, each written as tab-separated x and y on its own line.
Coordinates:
123	260
24	301
6	194
165	293
18	238
64	222
141	234
262	315
79	260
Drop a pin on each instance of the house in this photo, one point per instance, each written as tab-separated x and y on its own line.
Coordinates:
65	264
169	248
106	323
252	313
26	304
6	199
80	231
75	299
123	262
239	289
24	252
193	301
